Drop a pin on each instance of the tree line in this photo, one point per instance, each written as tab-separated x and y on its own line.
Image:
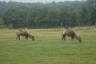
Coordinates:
47	15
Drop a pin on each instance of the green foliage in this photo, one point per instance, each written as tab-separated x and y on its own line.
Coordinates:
40	15
1	23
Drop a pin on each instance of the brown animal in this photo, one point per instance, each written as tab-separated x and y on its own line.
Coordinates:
70	33
25	33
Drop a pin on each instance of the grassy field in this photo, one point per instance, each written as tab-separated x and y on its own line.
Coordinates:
48	48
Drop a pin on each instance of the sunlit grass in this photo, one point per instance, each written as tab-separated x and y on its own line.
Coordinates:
48	48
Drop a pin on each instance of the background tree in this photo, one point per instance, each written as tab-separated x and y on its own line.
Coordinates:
45	15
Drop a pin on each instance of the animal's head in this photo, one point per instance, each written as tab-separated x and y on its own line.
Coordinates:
32	37
79	39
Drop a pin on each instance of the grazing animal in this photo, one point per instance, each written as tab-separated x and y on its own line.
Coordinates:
25	33
70	33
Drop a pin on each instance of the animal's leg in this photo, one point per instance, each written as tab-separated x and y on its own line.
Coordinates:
64	36
72	38
26	36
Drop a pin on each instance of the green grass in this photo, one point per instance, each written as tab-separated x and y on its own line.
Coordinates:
48	48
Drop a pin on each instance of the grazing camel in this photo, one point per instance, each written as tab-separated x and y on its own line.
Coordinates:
70	33
25	33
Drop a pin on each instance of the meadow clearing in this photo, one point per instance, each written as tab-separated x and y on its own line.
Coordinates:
48	48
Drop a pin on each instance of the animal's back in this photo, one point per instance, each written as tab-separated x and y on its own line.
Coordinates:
23	30
68	31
